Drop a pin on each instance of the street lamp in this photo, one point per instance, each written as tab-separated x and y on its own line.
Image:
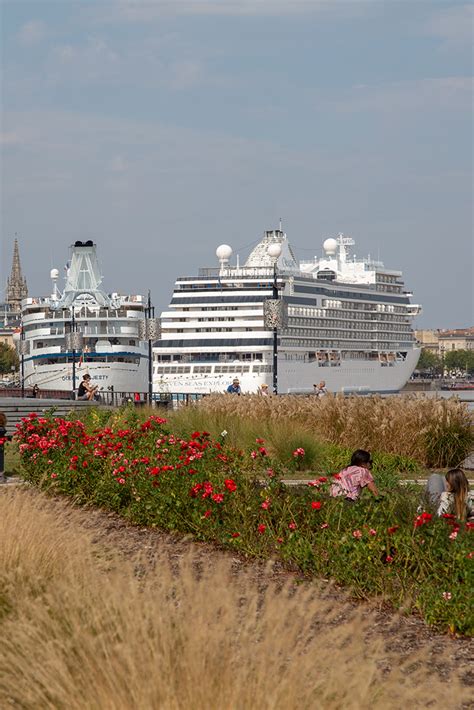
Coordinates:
24	348
274	311
74	342
149	329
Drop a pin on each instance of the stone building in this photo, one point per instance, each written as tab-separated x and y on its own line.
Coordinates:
443	341
17	288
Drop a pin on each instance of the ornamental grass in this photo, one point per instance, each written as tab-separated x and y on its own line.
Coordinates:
81	630
436	432
153	476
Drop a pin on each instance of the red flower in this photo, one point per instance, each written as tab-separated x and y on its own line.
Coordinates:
292	525
323	526
266	504
393	529
389	558
316	504
230	484
422	519
217	497
357	534
469	526
236	534
322	479
207	514
261	528
259	441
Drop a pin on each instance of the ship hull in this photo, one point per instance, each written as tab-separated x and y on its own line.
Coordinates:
122	377
296	377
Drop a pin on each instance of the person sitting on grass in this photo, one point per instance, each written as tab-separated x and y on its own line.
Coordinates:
351	480
449	494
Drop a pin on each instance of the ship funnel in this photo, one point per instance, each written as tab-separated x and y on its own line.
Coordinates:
83	276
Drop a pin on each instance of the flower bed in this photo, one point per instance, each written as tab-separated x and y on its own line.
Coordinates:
200	485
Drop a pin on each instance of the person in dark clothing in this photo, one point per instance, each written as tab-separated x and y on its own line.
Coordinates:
234	388
3	432
86	390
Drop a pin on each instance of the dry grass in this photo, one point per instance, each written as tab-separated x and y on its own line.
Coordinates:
81	630
436	432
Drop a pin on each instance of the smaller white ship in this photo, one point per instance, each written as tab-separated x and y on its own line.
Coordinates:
84	330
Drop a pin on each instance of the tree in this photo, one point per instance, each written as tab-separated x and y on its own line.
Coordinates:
429	361
459	361
8	359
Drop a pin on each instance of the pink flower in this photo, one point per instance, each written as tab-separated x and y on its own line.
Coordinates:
447	596
270	472
316	504
323	526
207	514
453	535
259	441
266	504
292	525
261	528
253	454
54	475
217	497
372	531
357	534
279	540
299	452
389	558
121	480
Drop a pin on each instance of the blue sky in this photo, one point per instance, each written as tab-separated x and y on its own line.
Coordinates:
163	129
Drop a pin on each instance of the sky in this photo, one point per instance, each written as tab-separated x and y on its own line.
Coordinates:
162	129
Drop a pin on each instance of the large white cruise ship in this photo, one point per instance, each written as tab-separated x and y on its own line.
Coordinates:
84	330
348	322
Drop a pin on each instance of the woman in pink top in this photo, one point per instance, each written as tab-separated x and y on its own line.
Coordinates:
350	482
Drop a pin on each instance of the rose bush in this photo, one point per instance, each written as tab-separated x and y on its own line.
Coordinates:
199	485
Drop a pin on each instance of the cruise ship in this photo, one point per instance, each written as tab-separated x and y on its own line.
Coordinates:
84	330
348	323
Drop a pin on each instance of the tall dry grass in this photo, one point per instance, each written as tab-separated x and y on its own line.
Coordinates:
81	631
436	432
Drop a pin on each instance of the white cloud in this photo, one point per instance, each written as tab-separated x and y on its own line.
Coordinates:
412	96
454	26
140	11
10	138
31	33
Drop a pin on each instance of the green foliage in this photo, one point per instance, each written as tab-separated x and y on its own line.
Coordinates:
459	361
8	359
429	360
203	486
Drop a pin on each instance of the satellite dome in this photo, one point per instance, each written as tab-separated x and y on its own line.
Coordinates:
274	250
54	274
330	246
224	252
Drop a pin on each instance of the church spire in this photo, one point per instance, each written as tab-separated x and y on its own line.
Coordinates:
16	283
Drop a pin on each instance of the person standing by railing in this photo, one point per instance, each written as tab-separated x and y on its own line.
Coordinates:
3	432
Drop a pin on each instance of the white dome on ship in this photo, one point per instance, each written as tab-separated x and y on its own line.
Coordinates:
330	246
224	252
54	274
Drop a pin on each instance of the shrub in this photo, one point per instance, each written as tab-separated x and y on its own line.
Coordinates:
205	487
